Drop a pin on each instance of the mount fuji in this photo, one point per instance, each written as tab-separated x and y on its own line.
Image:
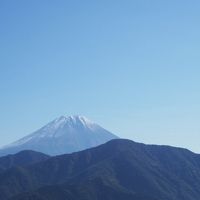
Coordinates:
62	135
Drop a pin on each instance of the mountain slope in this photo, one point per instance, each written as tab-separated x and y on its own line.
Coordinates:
119	169
22	158
63	135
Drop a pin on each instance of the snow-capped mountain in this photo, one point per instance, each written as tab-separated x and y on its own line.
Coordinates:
63	135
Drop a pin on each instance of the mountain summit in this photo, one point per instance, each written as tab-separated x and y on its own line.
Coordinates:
62	135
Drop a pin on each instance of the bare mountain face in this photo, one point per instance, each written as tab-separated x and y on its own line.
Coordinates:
63	135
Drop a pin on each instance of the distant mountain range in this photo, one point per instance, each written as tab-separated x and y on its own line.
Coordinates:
63	135
117	170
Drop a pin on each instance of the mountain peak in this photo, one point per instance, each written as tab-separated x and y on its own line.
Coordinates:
73	120
62	135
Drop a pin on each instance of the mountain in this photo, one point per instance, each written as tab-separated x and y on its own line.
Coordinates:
63	135
120	169
22	158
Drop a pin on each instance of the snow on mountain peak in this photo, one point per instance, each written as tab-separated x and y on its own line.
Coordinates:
74	120
63	135
52	129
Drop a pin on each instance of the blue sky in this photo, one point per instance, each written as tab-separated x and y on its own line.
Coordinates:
132	66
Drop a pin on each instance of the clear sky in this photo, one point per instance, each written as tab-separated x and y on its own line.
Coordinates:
133	66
